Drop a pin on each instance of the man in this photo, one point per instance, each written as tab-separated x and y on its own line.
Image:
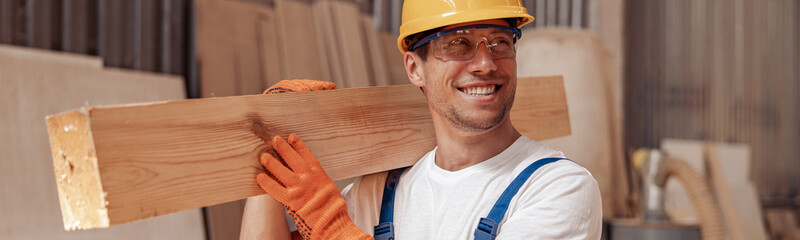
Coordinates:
483	180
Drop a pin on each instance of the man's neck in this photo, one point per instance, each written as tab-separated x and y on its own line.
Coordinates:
458	149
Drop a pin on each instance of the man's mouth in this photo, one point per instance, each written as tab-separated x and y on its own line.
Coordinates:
480	90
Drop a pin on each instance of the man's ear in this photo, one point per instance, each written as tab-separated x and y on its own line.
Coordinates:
413	64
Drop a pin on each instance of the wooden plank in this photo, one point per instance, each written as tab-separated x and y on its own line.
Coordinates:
300	57
330	51
271	68
377	60
181	155
230	48
350	38
729	166
394	59
40	84
29	54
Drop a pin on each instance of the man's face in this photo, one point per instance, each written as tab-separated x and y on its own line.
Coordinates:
475	95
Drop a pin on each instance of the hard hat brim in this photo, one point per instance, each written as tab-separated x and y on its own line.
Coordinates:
424	24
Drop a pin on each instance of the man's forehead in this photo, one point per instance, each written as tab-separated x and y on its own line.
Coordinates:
498	22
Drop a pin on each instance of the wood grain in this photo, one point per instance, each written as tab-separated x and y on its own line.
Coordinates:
158	158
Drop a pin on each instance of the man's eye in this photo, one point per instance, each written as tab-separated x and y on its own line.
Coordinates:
459	42
501	42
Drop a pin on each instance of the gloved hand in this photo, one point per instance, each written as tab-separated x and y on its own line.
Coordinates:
299	85
308	193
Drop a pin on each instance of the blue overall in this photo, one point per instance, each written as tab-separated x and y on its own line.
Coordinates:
487	227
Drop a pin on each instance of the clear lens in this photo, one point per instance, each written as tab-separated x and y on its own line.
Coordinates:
462	45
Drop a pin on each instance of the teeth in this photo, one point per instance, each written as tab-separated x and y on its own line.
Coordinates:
482	90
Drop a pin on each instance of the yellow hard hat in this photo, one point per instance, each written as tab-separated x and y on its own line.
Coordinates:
424	15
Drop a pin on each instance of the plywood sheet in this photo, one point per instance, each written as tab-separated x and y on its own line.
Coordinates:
583	61
33	88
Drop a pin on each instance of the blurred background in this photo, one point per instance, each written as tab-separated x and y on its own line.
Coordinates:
700	80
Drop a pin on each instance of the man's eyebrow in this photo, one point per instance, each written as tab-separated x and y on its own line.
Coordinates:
497	30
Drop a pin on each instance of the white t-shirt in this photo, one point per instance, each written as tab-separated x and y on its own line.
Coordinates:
561	200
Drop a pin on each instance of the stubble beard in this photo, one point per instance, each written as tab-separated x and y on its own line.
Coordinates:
463	122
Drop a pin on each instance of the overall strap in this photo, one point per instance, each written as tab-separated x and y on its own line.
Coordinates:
487	227
385	229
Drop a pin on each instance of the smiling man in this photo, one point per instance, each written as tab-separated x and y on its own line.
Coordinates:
483	180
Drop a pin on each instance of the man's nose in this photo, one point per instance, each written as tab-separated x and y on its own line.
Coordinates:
482	62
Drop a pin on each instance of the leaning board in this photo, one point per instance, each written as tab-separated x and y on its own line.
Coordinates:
145	160
36	83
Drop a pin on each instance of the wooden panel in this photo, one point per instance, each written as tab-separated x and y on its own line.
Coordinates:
729	167
330	52
350	38
43	83
271	68
377	58
300	57
35	55
177	156
235	53
394	59
584	62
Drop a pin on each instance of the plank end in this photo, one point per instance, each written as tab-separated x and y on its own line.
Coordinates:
540	109
83	201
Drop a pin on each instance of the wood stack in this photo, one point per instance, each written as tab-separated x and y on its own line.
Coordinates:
244	47
36	83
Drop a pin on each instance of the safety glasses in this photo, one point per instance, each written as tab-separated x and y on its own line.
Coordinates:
461	44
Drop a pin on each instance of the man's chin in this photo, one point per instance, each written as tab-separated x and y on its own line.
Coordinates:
477	124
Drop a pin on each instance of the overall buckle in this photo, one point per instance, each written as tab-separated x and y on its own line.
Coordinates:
486	230
384	231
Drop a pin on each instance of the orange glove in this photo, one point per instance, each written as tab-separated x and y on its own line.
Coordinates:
308	193
300	85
